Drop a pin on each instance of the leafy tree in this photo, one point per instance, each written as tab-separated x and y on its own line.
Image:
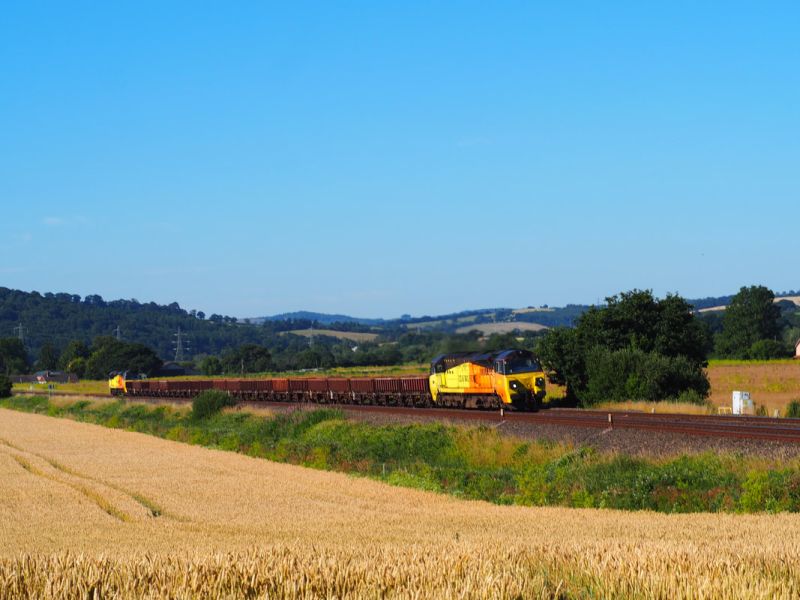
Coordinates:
77	366
5	386
632	326
501	341
48	358
752	316
768	349
13	358
639	320
563	352
109	354
75	352
632	374
211	365
248	358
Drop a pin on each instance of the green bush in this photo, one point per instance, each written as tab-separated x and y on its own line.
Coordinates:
793	410
209	403
694	397
631	374
768	349
771	491
5	386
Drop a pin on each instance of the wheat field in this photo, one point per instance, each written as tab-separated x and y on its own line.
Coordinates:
87	511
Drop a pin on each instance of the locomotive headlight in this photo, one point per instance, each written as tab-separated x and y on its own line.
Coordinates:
540	382
514	385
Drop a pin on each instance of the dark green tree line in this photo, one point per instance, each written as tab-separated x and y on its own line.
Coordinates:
636	347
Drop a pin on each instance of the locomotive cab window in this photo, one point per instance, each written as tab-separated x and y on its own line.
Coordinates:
500	367
522	364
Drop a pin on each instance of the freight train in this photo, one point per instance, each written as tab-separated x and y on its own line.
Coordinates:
490	380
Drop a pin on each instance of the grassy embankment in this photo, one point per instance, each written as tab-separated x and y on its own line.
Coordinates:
467	463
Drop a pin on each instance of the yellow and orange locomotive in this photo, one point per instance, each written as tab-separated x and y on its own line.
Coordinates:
488	380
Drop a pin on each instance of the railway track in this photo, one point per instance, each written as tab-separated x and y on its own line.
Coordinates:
739	427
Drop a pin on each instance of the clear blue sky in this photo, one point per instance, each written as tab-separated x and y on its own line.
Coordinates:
377	159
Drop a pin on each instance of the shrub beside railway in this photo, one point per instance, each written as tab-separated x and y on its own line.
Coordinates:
210	402
475	463
5	386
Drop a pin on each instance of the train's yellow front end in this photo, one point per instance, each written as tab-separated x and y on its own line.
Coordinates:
488	380
116	384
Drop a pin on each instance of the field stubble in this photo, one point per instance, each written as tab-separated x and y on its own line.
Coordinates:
772	384
90	510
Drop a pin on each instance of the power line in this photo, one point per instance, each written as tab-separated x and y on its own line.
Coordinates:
180	346
20	330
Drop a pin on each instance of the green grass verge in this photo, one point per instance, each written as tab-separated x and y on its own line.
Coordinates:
729	362
475	463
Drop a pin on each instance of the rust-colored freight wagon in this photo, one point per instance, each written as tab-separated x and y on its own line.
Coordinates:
414	385
362	385
256	385
298	385
227	385
387	385
137	387
317	385
339	385
179	389
393	391
280	385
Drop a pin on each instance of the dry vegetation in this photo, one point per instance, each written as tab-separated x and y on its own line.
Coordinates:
87	510
672	408
354	336
772	384
504	327
794	299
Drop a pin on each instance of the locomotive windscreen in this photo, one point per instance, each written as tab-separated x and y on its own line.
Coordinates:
522	363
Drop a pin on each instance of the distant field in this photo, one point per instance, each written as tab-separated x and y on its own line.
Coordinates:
795	299
525	311
490	328
85	386
342	335
772	384
122	513
424	324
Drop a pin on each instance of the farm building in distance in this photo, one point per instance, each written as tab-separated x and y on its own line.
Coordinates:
797	349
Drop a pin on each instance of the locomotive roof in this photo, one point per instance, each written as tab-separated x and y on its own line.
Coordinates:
485	359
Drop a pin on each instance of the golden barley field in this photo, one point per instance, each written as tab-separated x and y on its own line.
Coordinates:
92	512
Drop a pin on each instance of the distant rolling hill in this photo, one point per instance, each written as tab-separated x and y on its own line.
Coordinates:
342	335
506	319
793	299
506	327
322	318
